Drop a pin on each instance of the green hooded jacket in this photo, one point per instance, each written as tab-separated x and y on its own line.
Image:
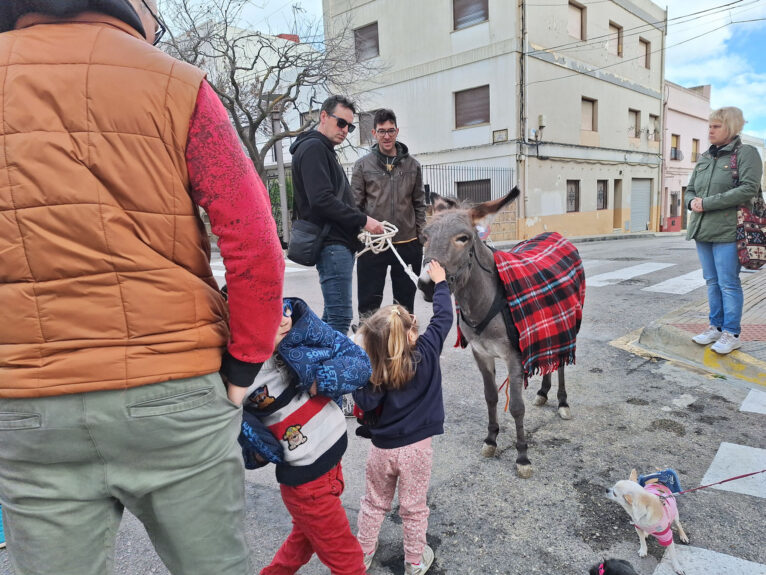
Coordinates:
712	181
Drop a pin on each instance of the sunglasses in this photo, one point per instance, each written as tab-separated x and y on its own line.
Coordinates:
343	123
161	29
389	132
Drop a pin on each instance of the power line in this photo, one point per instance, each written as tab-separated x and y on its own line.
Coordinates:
645	27
653	52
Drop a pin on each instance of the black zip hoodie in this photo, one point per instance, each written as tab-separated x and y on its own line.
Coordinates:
317	179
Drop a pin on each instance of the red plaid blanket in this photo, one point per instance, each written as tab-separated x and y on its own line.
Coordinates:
545	285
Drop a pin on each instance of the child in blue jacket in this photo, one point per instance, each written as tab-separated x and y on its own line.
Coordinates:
292	417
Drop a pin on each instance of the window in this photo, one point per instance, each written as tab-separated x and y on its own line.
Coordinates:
366	42
573	195
311	116
645	52
614	45
589	119
576	21
469	12
602	191
674	203
634	124
675	151
654	127
695	149
474	190
366	120
472	107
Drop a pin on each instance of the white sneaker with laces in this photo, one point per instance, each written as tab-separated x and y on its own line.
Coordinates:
727	343
423	566
708	336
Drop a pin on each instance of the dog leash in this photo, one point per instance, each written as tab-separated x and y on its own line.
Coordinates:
712	484
378	243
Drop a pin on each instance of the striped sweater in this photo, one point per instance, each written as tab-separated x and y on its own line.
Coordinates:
312	430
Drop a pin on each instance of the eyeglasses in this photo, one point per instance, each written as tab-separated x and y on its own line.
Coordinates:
389	132
343	123
287	309
161	29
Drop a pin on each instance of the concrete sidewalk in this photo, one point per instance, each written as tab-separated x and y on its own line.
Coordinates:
671	335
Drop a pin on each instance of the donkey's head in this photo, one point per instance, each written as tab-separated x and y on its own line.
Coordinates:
451	237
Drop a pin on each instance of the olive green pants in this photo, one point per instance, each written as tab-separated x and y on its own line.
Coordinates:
168	452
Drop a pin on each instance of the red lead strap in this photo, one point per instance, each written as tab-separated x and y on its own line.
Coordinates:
712	484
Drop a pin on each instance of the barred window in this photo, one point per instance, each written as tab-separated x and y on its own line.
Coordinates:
573	195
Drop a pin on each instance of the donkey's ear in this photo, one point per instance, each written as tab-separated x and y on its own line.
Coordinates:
484	210
441	203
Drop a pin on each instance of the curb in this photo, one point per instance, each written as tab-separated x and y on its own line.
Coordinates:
665	340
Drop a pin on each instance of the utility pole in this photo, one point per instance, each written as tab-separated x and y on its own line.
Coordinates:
276	126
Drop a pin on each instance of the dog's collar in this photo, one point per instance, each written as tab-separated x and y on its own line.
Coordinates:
601	569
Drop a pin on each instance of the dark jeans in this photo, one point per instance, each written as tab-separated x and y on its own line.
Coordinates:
335	267
371	270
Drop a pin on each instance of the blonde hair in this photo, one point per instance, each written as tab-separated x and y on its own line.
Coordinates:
385	339
732	119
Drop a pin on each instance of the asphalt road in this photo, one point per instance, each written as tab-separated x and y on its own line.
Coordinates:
627	411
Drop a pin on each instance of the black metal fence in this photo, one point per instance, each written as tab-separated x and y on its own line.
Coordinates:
463	181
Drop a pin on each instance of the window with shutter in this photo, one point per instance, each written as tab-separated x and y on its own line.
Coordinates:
576	21
475	190
366	42
472	107
366	120
634	123
614	44
469	12
588	120
645	50
675	147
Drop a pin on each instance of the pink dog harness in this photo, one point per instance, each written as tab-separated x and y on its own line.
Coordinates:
662	531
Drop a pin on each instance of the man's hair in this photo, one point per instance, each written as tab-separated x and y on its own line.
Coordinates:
382	116
732	119
329	105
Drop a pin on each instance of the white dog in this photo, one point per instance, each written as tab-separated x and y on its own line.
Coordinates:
652	509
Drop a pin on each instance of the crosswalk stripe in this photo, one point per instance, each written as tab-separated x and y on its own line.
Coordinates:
679	285
699	560
617	276
732	459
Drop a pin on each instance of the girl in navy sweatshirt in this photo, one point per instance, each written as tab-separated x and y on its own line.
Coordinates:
405	391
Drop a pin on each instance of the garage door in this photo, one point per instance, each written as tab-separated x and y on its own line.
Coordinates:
640	196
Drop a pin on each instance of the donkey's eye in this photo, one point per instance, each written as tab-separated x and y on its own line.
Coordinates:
462	239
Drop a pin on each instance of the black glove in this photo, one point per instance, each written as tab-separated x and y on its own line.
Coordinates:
256	439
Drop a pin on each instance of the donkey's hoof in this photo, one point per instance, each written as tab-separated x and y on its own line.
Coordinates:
524	471
540	400
564	413
488	450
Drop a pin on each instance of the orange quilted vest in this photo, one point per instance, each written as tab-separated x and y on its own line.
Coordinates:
104	274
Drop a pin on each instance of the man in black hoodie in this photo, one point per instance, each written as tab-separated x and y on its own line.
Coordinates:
323	194
388	184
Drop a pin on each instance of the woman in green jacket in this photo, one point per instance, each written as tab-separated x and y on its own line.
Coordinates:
713	196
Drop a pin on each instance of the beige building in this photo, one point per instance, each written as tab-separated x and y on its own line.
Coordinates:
566	94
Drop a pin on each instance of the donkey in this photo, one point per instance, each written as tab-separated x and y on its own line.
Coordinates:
472	276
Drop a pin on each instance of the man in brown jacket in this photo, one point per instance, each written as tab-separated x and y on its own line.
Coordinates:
112	328
388	184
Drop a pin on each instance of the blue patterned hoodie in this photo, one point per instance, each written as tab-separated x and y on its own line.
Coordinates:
311	431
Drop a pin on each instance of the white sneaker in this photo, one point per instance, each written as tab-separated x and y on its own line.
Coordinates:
348	405
709	336
727	343
423	566
369	556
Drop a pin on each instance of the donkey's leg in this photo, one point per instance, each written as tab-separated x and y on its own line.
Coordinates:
516	383
542	393
564	412
486	366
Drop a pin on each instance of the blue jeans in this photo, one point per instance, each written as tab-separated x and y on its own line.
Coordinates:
720	268
336	267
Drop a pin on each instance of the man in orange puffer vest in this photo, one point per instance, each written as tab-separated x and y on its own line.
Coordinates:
112	328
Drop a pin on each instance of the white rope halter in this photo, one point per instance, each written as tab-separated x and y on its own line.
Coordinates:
378	243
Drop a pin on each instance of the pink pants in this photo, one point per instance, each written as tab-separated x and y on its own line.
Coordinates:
410	466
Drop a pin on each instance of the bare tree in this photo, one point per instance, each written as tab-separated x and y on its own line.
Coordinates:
260	77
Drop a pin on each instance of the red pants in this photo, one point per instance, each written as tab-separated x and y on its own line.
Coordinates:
320	526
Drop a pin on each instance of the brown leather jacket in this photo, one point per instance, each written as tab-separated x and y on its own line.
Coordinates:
396	195
104	275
